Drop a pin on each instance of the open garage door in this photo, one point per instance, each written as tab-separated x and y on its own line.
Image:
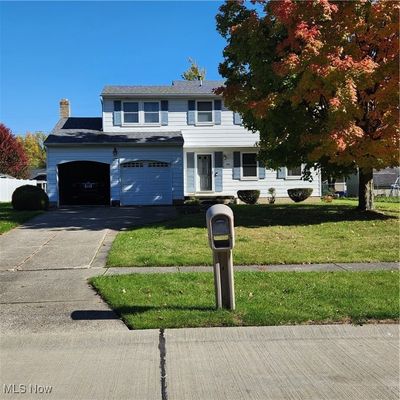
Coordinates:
146	183
84	183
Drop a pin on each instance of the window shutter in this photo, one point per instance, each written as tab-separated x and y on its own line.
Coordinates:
218	166
191	116
164	112
237	119
261	170
190	184
236	165
281	173
117	118
217	112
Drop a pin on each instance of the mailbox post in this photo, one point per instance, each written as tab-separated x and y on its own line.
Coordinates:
221	236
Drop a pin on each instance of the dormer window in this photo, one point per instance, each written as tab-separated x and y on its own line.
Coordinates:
151	112
131	112
205	112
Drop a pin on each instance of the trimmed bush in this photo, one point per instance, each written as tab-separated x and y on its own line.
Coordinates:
299	194
249	196
29	197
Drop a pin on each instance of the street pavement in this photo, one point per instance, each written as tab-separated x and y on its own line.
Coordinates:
58	335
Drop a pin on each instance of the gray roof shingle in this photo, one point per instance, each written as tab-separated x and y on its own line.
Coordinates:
178	88
79	130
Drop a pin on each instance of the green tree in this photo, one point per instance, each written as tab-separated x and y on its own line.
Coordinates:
194	72
33	144
319	80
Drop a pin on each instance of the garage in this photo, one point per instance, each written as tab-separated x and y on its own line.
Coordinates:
146	182
84	183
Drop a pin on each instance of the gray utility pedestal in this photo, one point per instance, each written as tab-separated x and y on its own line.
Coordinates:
221	236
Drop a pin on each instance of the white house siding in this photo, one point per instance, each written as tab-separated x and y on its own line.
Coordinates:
58	155
231	186
194	135
209	139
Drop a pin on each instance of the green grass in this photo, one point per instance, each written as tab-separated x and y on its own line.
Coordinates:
10	218
180	300
269	234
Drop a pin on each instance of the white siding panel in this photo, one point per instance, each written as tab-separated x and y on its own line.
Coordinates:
231	186
194	135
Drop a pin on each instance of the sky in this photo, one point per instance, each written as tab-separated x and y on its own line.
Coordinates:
54	50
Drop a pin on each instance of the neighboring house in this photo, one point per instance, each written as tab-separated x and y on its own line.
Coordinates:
158	145
39	174
385	182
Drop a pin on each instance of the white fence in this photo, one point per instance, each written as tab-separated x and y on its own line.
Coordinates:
8	185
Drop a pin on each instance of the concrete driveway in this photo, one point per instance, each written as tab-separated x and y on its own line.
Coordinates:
70	238
45	264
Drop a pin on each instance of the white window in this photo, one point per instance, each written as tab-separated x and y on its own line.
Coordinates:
131	112
249	165
294	172
132	164
151	112
141	112
204	112
158	164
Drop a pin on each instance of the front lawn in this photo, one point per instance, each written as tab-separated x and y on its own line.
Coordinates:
269	234
10	218
146	301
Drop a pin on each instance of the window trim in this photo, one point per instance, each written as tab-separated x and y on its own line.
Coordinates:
152	112
123	123
141	113
248	178
294	177
212	122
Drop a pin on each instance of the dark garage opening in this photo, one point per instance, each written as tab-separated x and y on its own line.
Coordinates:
84	183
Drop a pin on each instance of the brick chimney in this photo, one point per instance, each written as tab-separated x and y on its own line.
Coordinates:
65	110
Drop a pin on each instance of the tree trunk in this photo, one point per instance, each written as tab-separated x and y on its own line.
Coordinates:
365	189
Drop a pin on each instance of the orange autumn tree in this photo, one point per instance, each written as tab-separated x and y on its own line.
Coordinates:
319	80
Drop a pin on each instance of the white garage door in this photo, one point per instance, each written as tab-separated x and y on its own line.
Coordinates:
146	183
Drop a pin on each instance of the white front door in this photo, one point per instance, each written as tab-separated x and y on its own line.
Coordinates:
204	172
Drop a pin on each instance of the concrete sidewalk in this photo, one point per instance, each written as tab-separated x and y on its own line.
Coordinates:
391	266
287	362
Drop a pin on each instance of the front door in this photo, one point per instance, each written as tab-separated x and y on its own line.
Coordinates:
204	172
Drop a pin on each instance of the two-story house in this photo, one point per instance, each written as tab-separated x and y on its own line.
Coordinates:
158	145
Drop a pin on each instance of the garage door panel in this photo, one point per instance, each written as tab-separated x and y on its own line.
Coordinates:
146	183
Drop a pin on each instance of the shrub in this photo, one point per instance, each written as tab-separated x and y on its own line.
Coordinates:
29	197
192	201
272	192
249	196
299	194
